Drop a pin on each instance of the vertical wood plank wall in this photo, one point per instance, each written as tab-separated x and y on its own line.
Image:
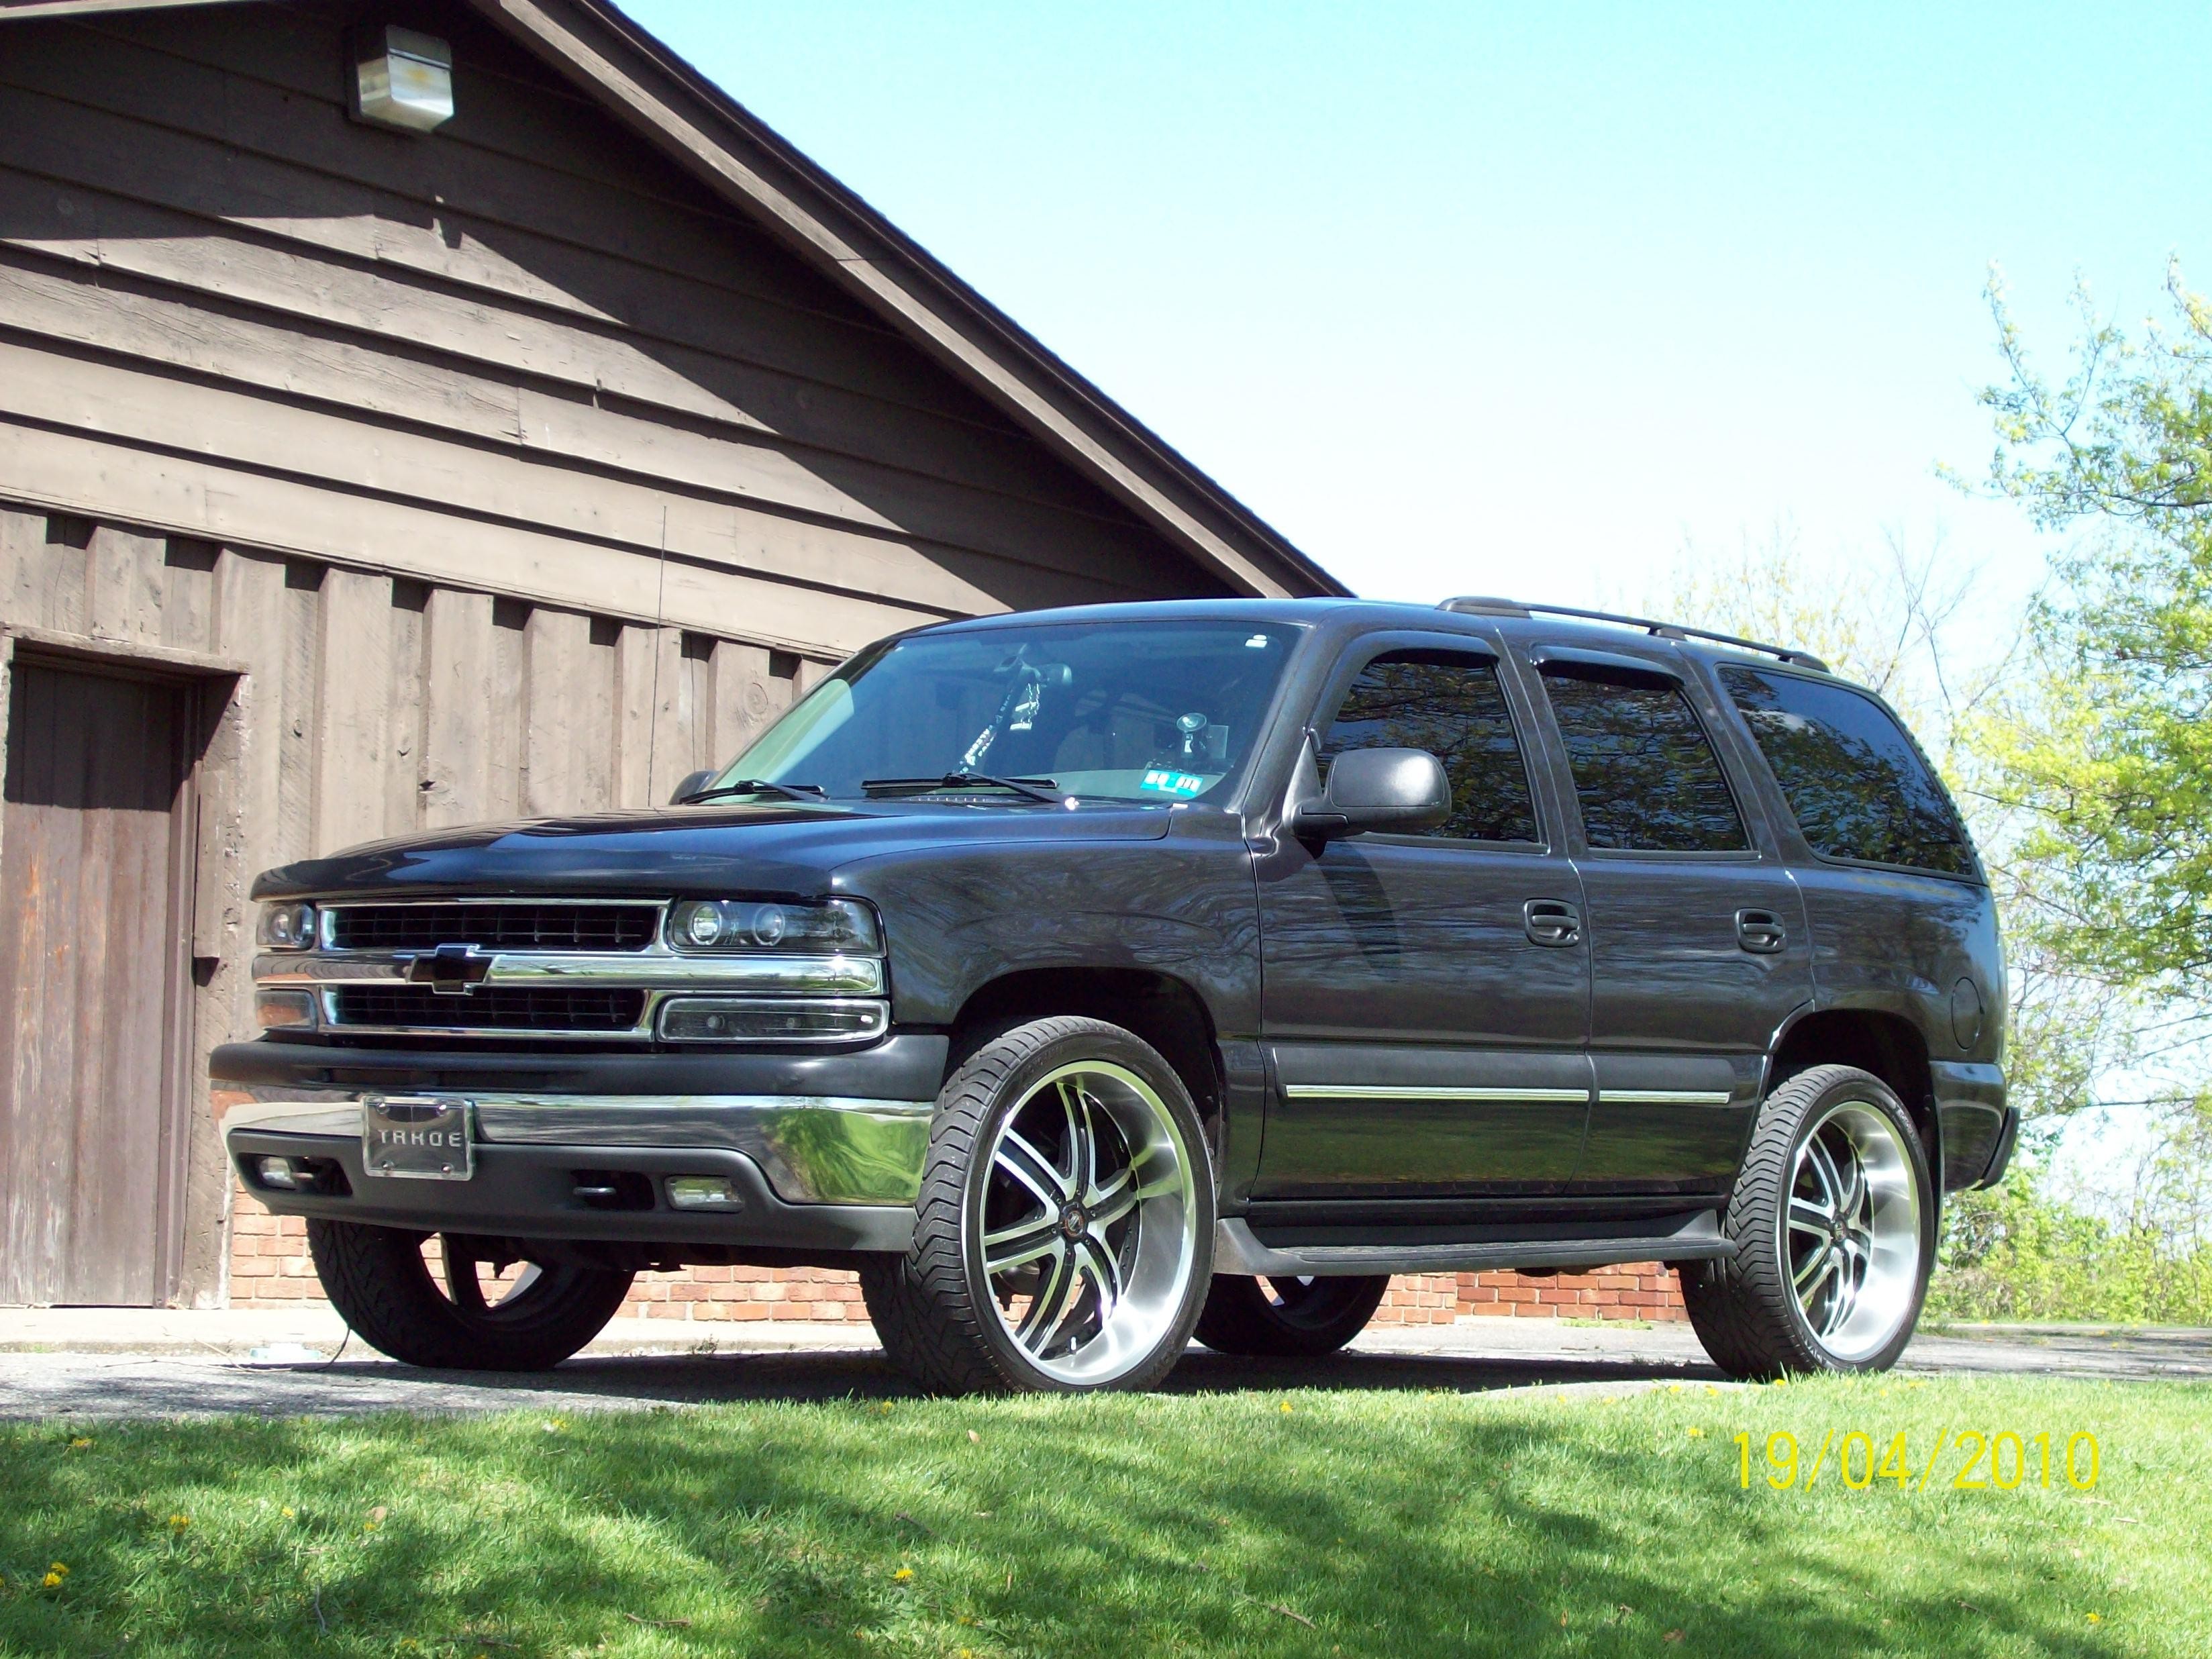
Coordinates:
369	706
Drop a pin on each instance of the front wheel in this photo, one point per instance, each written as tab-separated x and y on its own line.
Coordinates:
1834	1220
1064	1233
487	1309
1287	1318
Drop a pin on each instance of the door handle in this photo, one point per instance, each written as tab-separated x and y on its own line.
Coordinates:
1761	933
1548	922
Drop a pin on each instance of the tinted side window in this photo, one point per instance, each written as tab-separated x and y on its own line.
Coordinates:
1452	705
1854	779
1645	773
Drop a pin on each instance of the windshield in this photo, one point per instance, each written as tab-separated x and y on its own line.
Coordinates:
1113	711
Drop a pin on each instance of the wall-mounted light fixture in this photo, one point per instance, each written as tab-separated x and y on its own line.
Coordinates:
402	79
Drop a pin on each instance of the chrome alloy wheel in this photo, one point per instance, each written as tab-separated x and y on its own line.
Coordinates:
1851	1245
1088	1223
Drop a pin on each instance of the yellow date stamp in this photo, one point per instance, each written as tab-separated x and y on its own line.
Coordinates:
1970	1459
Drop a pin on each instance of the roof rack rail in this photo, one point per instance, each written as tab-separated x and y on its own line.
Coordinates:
1475	604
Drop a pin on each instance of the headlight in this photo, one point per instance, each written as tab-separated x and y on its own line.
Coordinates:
287	927
839	927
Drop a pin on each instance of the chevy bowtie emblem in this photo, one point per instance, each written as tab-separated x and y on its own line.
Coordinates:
450	971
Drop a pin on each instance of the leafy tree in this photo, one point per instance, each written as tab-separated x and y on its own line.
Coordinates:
2107	750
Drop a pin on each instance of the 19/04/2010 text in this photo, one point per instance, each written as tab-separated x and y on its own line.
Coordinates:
2003	1461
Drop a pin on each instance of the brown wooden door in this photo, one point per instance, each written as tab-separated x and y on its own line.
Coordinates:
93	966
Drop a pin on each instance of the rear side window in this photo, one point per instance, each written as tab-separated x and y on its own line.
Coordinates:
1856	783
1645	773
1451	705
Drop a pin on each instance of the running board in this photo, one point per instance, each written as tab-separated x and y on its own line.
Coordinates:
1237	1251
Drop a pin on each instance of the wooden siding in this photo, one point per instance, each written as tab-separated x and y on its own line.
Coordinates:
380	706
348	705
524	355
97	823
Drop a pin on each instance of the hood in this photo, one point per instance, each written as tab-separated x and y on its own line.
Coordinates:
788	849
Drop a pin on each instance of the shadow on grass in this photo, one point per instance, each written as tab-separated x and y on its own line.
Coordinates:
1216	1524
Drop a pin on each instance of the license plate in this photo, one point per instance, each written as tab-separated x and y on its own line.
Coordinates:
416	1137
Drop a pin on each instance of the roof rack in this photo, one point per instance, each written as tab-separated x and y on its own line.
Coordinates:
1476	605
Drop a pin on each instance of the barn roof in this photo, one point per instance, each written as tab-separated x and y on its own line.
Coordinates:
648	88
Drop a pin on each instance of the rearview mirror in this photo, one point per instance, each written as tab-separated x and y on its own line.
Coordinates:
1403	789
692	785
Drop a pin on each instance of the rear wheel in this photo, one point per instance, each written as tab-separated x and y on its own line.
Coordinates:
1834	1218
1064	1233
1292	1318
485	1309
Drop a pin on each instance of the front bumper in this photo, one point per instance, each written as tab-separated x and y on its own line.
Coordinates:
812	1167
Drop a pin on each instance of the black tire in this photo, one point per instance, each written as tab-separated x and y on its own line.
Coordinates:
1287	1318
377	1278
1746	1310
935	1308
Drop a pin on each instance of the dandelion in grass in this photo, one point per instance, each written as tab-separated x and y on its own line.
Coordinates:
902	1575
82	1443
1697	1434
179	1522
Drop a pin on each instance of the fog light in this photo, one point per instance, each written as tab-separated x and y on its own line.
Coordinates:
277	1172
703	1192
767	1019
279	1011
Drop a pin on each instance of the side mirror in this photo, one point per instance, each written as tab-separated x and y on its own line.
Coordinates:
1376	789
692	784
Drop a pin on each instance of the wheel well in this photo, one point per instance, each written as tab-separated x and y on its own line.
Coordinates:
1884	1044
1163	1010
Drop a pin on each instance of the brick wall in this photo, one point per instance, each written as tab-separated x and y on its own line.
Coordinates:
1419	1299
268	1263
817	1294
1634	1290
270	1268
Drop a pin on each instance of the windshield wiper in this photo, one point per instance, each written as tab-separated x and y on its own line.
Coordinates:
1035	789
758	786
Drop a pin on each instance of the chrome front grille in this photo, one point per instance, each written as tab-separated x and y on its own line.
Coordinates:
585	969
516	926
544	1013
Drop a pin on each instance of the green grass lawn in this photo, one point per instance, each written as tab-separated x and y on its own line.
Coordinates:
1309	1522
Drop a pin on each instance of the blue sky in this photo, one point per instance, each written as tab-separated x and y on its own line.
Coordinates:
1475	298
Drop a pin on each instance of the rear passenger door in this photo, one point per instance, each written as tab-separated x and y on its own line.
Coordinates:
1425	996
1699	949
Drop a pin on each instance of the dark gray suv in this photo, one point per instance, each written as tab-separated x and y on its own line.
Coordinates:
1095	979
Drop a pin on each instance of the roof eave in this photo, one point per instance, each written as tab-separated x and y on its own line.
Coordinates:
715	138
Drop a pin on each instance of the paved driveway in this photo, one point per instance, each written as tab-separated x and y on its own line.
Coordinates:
1472	1356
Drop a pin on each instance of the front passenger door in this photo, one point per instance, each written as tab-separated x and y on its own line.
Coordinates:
1425	996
